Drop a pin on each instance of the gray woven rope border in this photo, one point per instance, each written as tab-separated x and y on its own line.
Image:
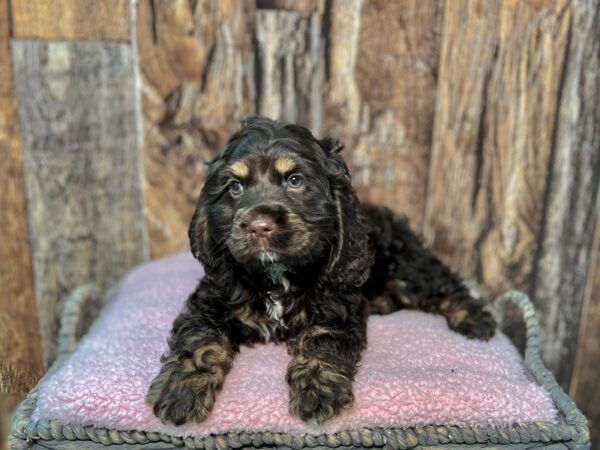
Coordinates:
571	431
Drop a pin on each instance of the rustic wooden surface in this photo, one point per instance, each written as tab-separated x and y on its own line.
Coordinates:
514	174
76	110
290	65
20	345
570	205
584	382
497	104
197	67
382	60
71	19
6	82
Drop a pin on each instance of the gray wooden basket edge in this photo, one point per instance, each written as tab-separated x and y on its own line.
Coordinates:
571	432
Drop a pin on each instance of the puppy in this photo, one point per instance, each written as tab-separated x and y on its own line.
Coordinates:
292	257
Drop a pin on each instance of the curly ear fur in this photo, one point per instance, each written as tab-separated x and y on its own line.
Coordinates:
198	234
354	254
201	243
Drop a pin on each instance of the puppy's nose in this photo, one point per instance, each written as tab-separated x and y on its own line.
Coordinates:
262	226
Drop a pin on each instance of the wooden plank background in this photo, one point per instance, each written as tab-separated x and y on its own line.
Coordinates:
81	165
189	58
74	19
382	64
477	119
20	344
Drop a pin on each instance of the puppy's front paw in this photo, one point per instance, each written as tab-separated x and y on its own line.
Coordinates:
474	323
318	392
180	395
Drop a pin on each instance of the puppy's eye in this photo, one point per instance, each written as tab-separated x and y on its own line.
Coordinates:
236	188
295	181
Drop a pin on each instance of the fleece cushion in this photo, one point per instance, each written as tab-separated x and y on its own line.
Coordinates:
415	371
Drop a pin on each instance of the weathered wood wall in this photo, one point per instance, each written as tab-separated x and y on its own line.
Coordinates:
478	119
514	171
81	167
383	61
20	345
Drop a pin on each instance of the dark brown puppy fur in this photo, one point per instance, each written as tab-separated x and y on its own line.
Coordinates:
291	256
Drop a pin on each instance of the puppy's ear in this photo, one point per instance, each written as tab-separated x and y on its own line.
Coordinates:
331	145
351	261
337	170
198	232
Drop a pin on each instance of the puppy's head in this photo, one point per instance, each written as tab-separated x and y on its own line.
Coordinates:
275	193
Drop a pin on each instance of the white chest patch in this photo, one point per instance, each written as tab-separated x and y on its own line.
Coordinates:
275	310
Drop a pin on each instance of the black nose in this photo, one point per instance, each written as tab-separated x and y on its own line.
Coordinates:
261	227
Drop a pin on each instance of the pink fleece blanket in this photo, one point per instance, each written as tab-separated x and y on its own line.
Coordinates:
414	372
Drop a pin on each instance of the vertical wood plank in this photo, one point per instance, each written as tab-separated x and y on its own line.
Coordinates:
498	97
514	171
76	110
198	82
20	343
382	62
71	19
20	346
6	82
584	383
571	208
452	221
290	64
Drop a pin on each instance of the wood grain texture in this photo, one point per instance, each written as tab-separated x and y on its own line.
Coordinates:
71	19
500	74
20	346
570	207
198	76
453	221
382	62
6	84
291	66
76	110
584	382
497	102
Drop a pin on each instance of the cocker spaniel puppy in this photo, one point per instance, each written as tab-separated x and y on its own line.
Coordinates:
291	256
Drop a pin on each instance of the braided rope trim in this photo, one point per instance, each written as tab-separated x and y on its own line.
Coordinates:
572	429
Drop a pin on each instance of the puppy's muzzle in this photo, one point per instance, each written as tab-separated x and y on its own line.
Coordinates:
263	221
261	227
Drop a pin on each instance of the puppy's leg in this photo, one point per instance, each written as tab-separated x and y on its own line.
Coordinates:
320	375
464	313
193	373
413	278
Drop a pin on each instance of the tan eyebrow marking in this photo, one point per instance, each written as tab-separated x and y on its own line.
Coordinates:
284	164
240	169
